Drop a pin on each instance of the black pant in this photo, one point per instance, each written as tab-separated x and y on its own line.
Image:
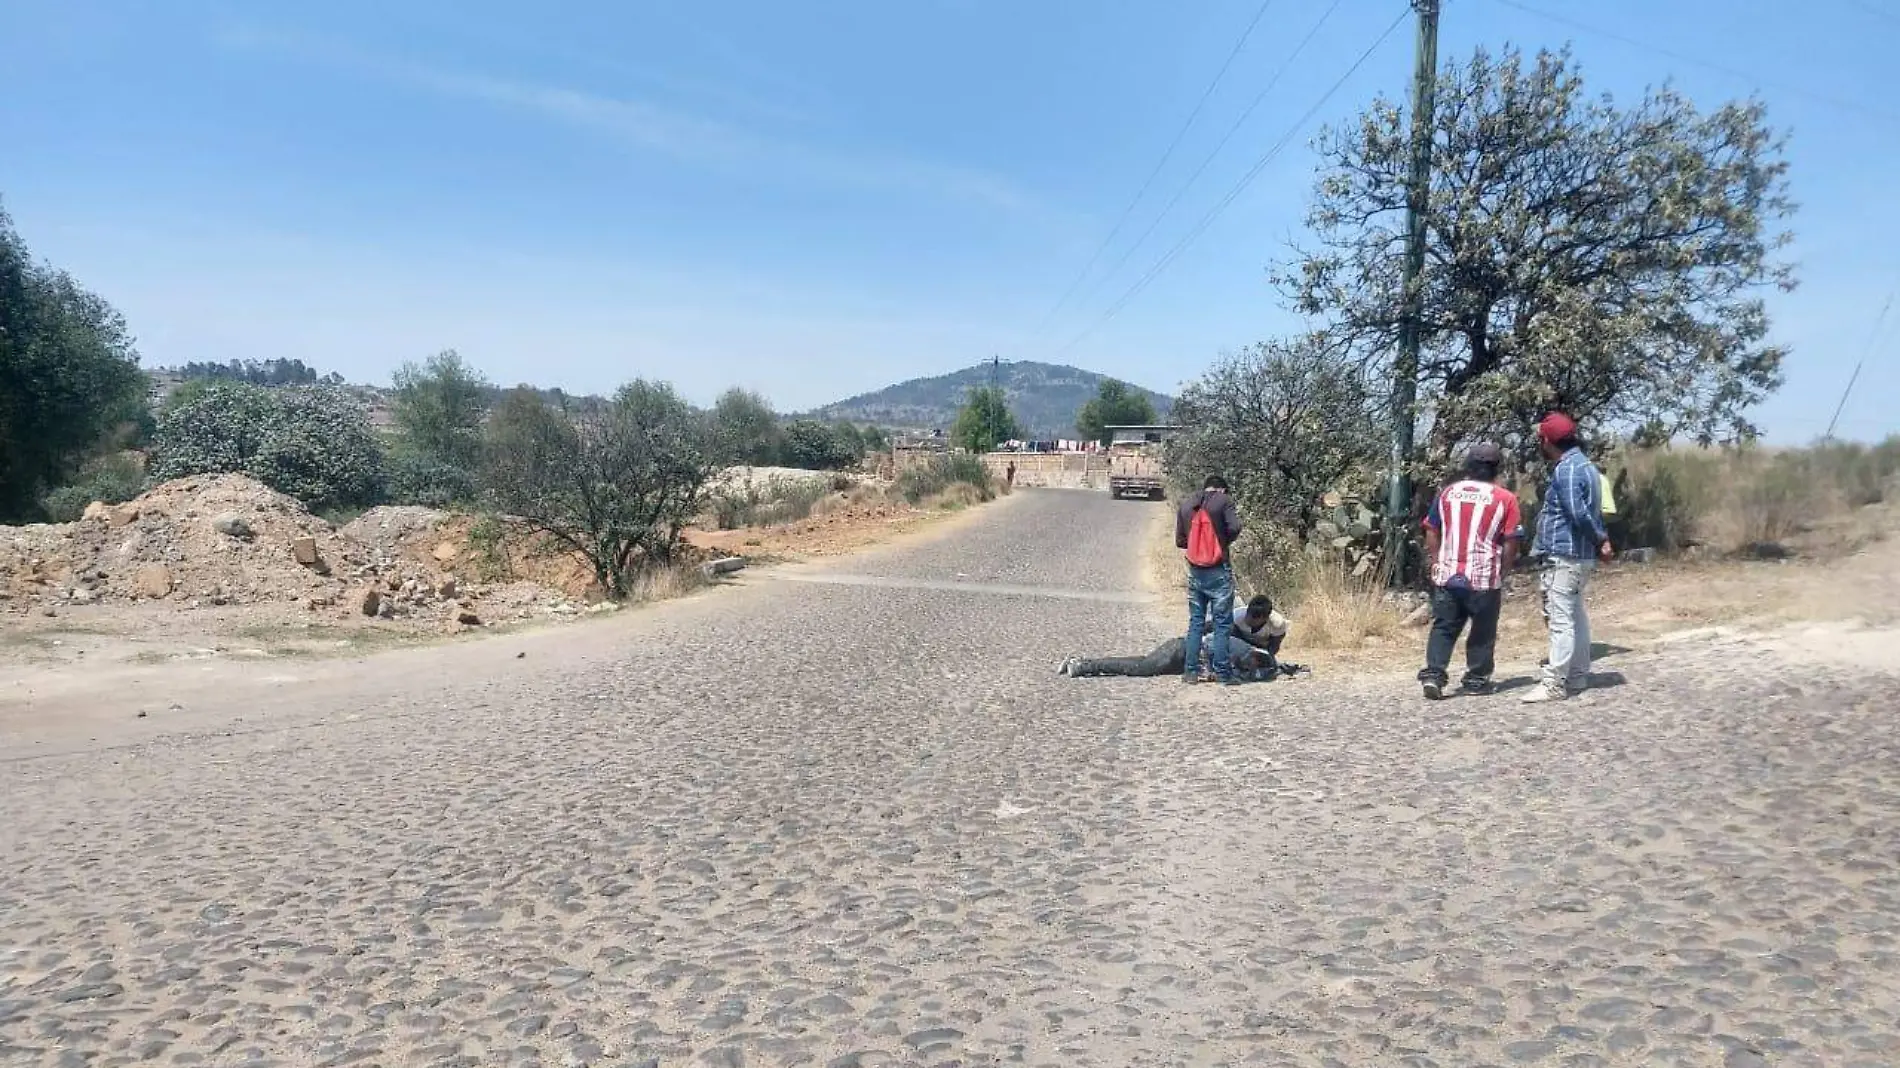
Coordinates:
1452	608
1170	657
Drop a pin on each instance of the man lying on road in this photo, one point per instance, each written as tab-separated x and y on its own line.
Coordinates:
1253	648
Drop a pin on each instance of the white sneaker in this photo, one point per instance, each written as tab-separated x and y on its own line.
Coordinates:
1067	667
1543	693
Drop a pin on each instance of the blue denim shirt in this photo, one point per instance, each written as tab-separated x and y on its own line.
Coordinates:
1570	523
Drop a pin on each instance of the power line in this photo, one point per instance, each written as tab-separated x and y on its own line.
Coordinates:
1228	136
1680	57
1233	194
1166	155
1872	9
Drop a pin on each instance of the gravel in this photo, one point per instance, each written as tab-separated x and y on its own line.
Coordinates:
831	824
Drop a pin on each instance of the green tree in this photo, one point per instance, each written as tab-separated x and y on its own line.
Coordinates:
311	442
617	483
70	384
748	429
814	446
1285	423
1115	404
1603	259
438	409
985	421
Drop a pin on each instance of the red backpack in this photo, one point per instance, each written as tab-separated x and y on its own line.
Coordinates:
1203	545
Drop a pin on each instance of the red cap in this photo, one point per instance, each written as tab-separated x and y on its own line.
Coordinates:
1556	427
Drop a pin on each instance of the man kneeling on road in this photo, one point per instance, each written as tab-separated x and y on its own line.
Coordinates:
1253	650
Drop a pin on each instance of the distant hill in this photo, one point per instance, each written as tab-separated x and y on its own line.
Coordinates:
1044	396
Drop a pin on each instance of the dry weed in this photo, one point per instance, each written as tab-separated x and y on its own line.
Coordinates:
1331	608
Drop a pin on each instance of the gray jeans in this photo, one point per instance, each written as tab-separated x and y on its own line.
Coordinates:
1563	585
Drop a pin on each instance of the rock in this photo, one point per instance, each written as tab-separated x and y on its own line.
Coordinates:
97	512
447	551
124	515
304	550
1638	556
446	588
468	619
154	581
1419	616
83	596
372	602
232	525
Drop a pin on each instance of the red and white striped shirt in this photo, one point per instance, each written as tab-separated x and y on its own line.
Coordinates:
1474	519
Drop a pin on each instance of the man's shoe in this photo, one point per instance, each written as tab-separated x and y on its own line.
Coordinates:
1233	680
1434	690
1475	687
1067	667
1543	693
1191	679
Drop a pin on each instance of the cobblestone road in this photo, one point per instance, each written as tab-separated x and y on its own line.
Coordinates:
858	821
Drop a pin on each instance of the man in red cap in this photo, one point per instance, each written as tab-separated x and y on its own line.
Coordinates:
1571	534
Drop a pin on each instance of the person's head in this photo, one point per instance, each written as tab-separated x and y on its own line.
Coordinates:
1215	482
1259	609
1556	435
1482	462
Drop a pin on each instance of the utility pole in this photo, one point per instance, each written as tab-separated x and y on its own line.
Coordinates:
996	400
1405	372
1872	344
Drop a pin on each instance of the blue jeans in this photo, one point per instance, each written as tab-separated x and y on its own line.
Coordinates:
1210	592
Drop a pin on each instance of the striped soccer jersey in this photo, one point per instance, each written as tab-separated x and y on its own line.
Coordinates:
1473	519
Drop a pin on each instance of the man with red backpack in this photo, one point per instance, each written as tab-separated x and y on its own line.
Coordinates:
1204	530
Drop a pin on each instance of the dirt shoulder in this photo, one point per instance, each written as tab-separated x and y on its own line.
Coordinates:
1835	597
203	579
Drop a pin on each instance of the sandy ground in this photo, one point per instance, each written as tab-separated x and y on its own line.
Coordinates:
845	814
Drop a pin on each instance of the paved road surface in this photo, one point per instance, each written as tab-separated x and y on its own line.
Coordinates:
859	822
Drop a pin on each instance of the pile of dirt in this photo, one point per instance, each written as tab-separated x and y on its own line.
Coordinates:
229	540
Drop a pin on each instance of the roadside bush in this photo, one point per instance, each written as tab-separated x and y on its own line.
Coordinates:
764	504
313	443
112	479
415	478
615	485
942	472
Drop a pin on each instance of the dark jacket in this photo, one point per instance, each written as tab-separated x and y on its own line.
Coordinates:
1220	510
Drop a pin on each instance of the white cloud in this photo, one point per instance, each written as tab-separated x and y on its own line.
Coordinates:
651	127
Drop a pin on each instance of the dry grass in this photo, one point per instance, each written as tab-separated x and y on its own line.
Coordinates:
1754	501
1333	609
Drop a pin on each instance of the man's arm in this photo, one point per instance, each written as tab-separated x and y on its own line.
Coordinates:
1585	506
1230	517
1509	532
1433	536
1181	527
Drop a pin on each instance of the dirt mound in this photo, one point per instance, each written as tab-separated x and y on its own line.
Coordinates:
223	539
229	540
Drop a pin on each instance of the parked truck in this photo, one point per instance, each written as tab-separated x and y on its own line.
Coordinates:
1134	461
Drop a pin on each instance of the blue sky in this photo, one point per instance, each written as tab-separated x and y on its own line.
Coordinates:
813	199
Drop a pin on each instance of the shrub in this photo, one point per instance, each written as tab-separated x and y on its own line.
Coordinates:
414	478
764	504
616	485
313	443
112	479
942	472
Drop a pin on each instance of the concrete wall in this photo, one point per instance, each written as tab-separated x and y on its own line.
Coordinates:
1072	470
